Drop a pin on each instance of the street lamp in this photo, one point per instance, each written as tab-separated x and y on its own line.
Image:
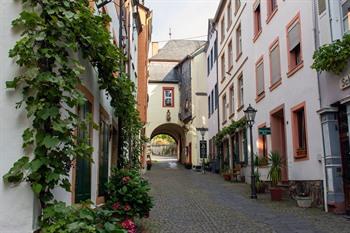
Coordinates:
201	150
102	4
250	116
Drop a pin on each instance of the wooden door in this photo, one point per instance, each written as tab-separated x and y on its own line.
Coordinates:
83	166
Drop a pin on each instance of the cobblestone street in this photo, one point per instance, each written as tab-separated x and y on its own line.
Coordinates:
188	201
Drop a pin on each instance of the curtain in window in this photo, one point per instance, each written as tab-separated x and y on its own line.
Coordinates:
275	65
294	36
260	78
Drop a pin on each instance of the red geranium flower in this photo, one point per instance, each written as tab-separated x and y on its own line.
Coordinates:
127	207
126	179
116	206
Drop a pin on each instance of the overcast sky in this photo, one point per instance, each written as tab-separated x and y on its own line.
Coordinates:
186	18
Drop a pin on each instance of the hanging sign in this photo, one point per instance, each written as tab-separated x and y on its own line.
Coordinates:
265	131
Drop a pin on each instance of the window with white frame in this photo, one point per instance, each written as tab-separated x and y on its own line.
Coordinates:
240	92
230	55
260	82
238	41
229	15
346	12
232	100
224	105
168	97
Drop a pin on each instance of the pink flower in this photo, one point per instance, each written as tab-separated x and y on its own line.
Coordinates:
116	206
127	207
129	225
125	179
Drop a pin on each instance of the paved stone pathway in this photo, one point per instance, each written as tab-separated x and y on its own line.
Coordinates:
190	202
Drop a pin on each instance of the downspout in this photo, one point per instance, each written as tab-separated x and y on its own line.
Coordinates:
120	126
317	45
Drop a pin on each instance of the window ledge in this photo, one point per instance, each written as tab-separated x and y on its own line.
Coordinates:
223	79
301	154
260	97
270	16
292	71
224	122
276	84
240	108
238	56
256	36
232	115
229	69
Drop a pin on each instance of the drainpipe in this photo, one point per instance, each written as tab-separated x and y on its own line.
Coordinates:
317	45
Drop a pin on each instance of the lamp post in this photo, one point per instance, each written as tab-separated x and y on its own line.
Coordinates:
250	116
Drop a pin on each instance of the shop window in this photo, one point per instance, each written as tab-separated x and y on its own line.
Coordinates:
262	143
168	97
346	12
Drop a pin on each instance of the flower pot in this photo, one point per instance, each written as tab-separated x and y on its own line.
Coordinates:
227	177
304	202
149	166
276	194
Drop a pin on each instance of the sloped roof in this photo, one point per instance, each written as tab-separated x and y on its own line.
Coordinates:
176	50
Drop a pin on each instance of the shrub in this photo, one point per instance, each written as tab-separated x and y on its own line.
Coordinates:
59	218
128	194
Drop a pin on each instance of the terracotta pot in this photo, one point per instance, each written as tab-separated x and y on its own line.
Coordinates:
276	194
227	177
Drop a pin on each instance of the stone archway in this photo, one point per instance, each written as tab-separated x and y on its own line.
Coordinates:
177	133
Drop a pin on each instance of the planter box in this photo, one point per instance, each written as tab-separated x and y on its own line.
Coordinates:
276	194
304	202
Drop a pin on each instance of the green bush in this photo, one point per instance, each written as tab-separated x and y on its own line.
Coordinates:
59	218
128	194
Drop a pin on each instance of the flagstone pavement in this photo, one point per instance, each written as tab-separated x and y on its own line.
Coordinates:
187	201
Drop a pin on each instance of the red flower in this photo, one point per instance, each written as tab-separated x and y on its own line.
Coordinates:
129	225
116	206
125	179
127	207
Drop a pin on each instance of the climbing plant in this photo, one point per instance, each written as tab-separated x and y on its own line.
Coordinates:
333	57
230	129
57	35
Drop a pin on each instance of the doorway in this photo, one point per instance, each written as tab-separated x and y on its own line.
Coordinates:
345	153
278	138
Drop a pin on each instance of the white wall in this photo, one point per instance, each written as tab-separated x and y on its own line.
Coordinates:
300	87
18	205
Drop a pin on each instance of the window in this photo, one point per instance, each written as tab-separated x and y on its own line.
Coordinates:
216	96
224	103
229	15
346	12
262	143
232	100
211	58
223	67
168	97
321	6
230	56
294	45
257	19
271	8
222	29
103	154
259	72
238	41
299	131
237	5
240	92
209	107
275	64
212	101
215	50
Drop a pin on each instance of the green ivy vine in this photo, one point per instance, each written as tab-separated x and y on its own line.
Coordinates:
230	129
333	57
54	34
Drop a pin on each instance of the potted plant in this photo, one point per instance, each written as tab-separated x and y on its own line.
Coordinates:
227	174
149	162
303	198
259	184
275	176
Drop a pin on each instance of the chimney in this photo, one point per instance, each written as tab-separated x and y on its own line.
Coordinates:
155	48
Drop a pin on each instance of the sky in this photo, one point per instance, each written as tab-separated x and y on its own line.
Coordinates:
186	18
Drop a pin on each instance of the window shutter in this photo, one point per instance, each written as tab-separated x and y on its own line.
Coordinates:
275	65
260	78
294	36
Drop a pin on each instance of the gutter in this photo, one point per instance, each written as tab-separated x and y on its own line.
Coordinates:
317	45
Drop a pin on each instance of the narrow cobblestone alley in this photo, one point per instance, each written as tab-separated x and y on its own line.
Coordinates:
188	201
